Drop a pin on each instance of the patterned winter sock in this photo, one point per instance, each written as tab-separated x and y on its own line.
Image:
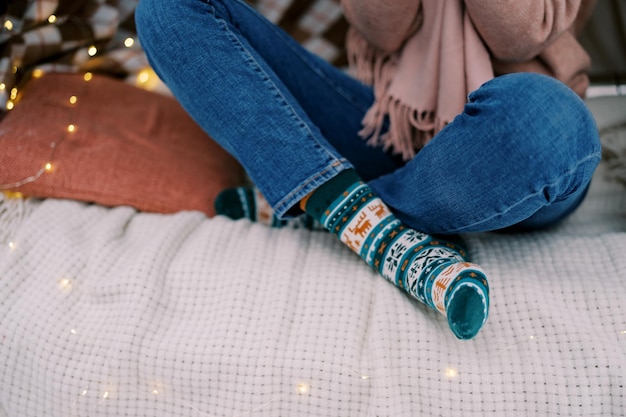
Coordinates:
431	270
248	202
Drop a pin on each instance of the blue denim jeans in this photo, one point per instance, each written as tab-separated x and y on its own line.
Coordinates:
521	154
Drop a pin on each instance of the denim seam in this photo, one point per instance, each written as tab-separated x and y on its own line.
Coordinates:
280	206
334	86
349	99
334	160
265	79
595	155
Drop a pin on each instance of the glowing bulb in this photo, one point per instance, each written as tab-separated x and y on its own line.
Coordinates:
12	246
73	99
37	73
88	76
143	77
451	373
8	25
71	128
105	395
365	377
155	391
52	19
73	331
128	42
65	284
92	51
10	105
48	167
622	332
3	86
303	388
14	69
13	194
13	93
82	394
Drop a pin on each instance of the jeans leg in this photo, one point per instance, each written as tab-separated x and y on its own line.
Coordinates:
290	118
522	153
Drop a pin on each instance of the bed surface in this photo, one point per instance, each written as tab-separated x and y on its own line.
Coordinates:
112	312
115	312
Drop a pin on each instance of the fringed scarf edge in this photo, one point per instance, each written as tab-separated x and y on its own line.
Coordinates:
409	128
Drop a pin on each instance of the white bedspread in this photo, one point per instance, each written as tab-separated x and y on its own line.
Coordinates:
110	312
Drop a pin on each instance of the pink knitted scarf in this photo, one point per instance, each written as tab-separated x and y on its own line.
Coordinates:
425	84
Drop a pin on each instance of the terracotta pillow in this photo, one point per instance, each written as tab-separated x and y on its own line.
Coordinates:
110	143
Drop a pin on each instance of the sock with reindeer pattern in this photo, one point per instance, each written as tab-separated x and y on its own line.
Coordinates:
433	271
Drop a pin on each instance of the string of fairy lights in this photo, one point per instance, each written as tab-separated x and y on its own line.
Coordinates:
70	129
66	285
145	78
99	393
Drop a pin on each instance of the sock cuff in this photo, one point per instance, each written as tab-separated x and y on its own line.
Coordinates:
325	194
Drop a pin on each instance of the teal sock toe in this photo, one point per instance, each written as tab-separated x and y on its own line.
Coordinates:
229	203
467	309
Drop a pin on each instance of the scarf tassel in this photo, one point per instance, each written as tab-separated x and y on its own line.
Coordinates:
409	128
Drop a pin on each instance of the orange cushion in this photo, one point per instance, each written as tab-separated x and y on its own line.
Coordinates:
128	147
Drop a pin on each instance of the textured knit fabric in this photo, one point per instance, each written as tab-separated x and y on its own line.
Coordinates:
111	312
424	57
112	144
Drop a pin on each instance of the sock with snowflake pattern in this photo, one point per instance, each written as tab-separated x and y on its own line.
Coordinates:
432	270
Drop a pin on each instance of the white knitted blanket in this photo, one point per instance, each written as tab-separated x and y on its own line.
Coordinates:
110	312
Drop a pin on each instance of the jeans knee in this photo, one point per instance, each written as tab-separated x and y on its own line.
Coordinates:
163	23
538	116
149	15
166	28
144	13
562	109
